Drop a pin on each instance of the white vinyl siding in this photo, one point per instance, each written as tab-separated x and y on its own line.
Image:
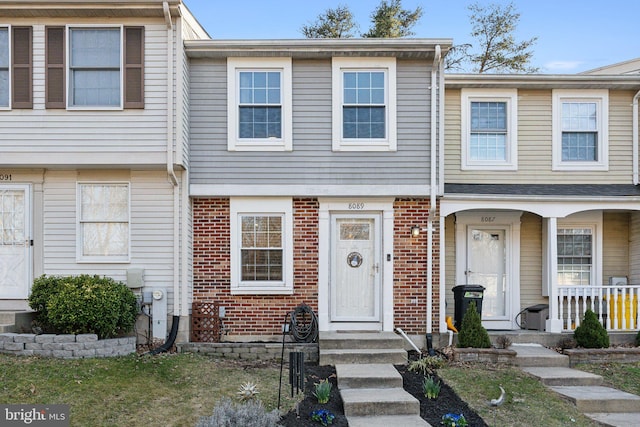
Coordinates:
92	137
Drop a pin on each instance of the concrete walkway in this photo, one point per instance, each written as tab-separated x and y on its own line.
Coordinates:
605	405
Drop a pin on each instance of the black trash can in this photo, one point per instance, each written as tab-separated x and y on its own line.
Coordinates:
463	296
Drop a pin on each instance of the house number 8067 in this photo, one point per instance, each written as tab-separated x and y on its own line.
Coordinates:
356	206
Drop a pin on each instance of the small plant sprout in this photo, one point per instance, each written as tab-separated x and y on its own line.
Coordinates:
247	391
323	391
454	420
322	416
431	388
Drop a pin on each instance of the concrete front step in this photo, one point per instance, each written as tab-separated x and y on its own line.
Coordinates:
337	357
599	399
6	328
554	376
388	421
360	340
621	419
535	355
375	402
372	375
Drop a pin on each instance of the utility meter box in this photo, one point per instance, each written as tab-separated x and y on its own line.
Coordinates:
535	317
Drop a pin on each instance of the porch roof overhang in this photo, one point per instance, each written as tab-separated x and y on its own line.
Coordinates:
546	200
318	48
542	81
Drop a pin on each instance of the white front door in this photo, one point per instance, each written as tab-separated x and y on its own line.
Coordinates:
15	247
355	271
486	266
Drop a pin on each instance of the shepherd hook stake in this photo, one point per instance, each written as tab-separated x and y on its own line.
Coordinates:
499	401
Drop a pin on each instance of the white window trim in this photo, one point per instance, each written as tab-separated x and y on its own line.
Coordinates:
256	206
68	96
80	258
593	221
510	97
338	65
601	98
234	142
9	80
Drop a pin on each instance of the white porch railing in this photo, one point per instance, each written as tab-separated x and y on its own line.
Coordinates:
615	306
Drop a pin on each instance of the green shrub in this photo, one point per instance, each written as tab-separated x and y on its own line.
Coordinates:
591	333
84	305
249	414
472	333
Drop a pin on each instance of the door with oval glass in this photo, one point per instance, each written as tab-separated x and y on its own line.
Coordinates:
15	247
355	271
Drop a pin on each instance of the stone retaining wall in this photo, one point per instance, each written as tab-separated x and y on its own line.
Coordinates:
250	351
486	355
603	355
65	346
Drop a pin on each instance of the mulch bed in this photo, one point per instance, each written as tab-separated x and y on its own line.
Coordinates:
431	410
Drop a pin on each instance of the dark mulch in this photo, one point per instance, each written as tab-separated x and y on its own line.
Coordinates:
431	410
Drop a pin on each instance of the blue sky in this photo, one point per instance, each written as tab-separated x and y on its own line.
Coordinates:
573	35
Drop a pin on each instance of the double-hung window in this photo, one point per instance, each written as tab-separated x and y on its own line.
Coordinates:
94	67
489	129
364	104
261	246
259	104
103	222
16	67
575	256
580	135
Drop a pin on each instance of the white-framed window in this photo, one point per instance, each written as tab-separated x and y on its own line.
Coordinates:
5	68
95	67
364	104
259	104
579	249
580	130
489	129
103	222
261	245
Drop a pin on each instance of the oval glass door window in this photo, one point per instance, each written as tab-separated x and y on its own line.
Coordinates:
354	259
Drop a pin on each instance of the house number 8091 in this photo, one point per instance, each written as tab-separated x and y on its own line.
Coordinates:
5	177
356	206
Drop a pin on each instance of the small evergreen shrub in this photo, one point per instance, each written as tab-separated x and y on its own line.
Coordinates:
591	333
249	414
472	333
84	305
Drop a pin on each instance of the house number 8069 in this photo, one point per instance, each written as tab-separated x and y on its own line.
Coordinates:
356	206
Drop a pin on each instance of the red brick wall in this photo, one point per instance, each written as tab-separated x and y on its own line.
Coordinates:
410	267
249	314
264	314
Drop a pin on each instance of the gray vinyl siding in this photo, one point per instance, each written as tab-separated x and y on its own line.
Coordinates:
535	144
312	160
90	137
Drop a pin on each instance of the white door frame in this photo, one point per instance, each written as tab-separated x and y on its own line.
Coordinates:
510	223
28	252
355	205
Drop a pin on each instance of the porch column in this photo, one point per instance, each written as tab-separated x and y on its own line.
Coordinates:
554	324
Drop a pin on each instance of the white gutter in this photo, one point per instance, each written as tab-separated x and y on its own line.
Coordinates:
635	143
171	176
433	184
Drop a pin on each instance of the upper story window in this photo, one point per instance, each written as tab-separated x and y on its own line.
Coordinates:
89	67
261	245
364	104
489	129
103	222
259	104
580	130
16	88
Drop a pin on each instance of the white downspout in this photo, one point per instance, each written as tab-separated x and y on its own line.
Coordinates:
441	142
635	143
433	184
171	176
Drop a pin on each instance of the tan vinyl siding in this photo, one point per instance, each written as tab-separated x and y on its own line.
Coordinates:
634	248
615	245
450	263
312	160
91	137
531	261
535	136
